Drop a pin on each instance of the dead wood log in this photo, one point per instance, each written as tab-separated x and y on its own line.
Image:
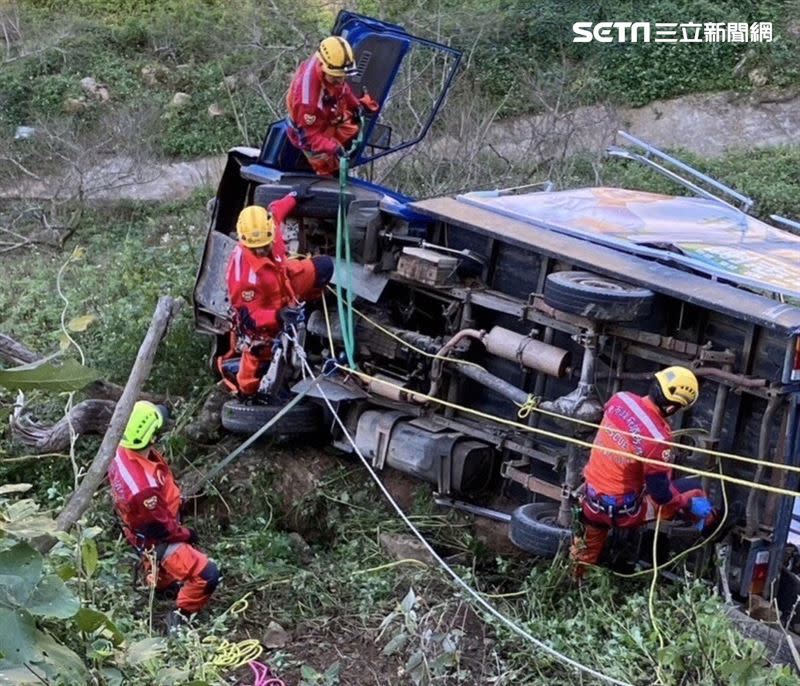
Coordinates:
14	352
166	309
87	417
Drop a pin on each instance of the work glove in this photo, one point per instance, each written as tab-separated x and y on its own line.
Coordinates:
368	103
302	193
702	509
291	315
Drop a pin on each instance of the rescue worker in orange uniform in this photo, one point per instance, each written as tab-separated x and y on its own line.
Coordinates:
265	287
148	500
324	113
618	489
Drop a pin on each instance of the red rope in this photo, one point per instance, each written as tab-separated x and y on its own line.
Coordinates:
263	675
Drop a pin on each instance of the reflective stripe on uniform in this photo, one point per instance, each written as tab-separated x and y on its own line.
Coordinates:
308	75
134	485
169	550
126	476
237	263
641	415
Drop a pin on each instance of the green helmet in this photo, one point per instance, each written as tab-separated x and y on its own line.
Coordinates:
146	418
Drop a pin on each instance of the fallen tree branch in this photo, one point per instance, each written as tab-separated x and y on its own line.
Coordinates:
14	352
166	309
87	417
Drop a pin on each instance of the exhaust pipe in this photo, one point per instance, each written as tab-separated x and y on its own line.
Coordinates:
527	351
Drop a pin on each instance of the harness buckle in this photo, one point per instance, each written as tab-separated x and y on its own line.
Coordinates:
613	506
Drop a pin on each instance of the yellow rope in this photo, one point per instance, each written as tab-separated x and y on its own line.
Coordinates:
239	606
233	655
651	597
513	594
688	551
569	439
532	405
408	345
328	326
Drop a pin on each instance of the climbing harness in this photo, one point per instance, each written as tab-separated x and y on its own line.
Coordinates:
613	506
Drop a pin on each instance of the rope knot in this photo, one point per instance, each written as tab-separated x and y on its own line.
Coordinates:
528	406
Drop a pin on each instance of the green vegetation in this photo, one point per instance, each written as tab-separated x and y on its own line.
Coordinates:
353	615
528	39
770	176
127	258
343	590
146	52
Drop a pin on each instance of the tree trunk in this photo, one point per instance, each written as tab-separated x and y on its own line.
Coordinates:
166	309
87	417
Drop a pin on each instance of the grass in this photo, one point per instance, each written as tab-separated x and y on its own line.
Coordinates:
329	602
340	598
131	256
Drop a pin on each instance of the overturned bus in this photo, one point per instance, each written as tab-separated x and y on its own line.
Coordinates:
490	328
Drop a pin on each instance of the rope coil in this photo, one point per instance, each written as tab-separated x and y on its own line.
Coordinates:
233	655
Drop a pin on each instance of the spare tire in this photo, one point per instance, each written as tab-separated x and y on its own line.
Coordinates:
533	528
242	418
596	297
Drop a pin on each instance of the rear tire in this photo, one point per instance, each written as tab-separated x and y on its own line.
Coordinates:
241	418
596	297
533	528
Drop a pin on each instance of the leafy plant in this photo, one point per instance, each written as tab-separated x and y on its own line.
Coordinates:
430	654
27	594
311	677
69	375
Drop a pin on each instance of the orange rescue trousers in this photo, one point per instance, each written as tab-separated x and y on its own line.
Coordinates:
325	164
186	566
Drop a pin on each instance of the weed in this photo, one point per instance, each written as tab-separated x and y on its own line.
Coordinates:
194	43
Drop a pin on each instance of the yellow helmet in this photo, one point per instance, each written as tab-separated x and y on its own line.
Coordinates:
255	227
678	385
337	57
146	418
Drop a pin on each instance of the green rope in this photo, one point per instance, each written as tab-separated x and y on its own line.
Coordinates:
344	270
